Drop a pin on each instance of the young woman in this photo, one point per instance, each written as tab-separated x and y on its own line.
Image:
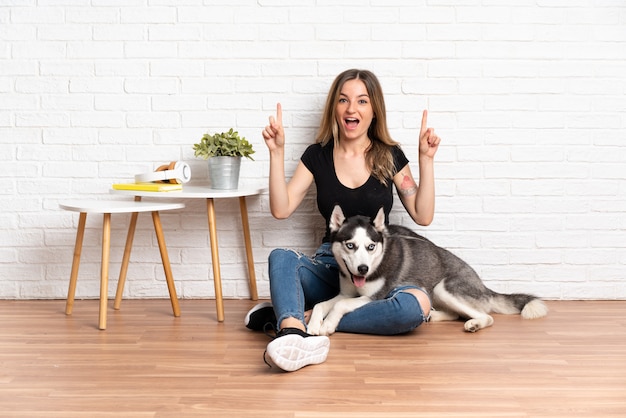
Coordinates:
355	163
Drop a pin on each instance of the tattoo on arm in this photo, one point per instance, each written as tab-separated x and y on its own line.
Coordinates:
408	186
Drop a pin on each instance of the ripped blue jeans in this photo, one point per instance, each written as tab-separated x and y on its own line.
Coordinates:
299	281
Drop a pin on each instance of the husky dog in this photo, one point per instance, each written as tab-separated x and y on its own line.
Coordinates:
374	259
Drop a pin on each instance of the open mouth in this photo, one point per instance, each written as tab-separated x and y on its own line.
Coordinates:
351	123
359	281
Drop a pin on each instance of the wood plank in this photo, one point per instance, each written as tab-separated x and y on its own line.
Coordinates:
149	363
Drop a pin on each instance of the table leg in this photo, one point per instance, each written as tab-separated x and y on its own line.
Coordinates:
104	270
169	278
243	208
215	258
78	247
126	258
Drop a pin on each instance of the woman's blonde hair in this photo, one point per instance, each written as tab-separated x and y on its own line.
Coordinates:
378	156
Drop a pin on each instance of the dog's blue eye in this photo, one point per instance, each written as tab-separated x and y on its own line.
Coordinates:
371	247
349	245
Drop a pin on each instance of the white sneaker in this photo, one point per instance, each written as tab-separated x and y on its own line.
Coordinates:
293	349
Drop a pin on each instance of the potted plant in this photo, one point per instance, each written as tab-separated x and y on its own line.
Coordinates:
223	152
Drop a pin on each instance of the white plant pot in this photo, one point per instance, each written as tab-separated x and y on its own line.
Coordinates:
224	172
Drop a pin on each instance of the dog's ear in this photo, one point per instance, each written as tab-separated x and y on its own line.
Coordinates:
336	219
379	220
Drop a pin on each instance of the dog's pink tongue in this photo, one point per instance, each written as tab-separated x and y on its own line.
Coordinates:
359	281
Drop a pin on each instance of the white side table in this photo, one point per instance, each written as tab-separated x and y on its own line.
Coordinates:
199	192
107	207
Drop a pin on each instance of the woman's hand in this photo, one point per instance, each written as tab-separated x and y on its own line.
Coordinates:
274	134
428	141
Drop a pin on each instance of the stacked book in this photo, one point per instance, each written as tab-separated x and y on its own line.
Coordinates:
149	187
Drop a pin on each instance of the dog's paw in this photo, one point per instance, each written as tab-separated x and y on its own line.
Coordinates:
313	329
328	328
476	324
314	325
472	325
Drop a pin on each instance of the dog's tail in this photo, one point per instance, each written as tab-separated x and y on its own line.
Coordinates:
530	307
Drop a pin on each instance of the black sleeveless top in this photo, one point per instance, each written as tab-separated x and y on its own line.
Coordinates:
365	200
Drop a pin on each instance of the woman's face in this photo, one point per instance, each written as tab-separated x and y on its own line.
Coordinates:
354	110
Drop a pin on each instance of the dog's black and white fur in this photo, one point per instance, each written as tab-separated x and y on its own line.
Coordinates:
374	259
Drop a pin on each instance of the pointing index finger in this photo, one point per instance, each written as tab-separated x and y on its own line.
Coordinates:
424	122
279	113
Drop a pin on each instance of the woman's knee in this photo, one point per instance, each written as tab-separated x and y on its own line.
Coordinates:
422	298
411	313
283	264
282	255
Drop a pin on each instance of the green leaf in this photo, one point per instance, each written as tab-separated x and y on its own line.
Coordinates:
225	144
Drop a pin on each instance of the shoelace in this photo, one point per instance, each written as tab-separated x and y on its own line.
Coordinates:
270	331
265	359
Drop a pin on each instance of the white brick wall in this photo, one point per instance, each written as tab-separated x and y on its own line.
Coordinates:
529	97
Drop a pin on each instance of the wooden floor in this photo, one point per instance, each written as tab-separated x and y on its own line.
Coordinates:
150	364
